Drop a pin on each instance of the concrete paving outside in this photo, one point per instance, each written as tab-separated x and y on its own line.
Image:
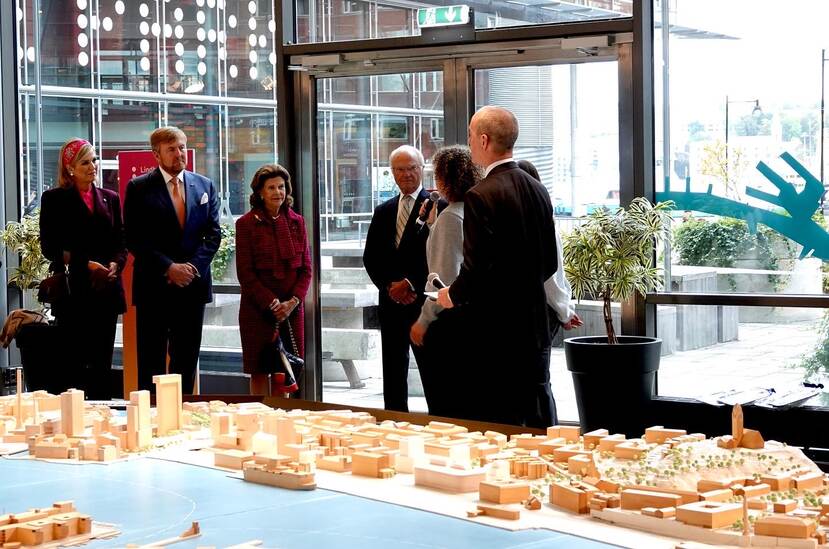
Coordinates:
765	355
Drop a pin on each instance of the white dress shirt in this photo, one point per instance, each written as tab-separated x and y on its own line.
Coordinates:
497	163
168	180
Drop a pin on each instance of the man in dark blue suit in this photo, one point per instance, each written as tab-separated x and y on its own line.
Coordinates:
171	218
395	259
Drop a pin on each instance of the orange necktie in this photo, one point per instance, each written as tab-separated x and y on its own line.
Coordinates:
178	201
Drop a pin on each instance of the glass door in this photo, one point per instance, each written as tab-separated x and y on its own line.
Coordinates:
360	121
570	106
568	115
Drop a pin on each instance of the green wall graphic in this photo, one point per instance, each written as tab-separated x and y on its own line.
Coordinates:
796	224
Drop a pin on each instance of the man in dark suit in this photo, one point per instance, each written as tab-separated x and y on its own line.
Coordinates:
395	259
509	250
171	218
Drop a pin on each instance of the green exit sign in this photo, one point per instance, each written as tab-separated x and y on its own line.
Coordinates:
442	16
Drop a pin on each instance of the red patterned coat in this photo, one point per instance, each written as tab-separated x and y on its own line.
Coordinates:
272	261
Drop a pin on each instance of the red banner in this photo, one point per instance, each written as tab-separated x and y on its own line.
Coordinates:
134	163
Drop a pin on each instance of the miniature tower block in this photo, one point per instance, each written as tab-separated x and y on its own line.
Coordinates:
18	410
737	423
71	412
139	428
168	403
740	436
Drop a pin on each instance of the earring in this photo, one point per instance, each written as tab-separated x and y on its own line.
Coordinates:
71	174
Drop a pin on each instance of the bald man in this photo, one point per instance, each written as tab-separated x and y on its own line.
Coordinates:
509	251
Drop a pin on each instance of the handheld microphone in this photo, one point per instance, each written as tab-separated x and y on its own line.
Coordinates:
435	280
421	219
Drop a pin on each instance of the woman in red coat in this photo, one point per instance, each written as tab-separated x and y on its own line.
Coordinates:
273	263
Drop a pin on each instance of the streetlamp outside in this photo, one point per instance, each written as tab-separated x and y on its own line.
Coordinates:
822	95
756	110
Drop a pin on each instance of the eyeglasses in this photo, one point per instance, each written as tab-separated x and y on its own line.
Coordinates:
407	169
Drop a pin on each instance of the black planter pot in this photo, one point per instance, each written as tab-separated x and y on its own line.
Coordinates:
614	384
43	350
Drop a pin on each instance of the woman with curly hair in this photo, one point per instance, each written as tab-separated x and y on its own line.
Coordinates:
439	330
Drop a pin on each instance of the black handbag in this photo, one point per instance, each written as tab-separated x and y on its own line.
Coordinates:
285	366
54	288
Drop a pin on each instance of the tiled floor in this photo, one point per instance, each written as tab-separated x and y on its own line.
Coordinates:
765	355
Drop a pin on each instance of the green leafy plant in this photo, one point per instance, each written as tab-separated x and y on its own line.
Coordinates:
726	166
818	361
722	242
23	238
611	256
819	218
222	258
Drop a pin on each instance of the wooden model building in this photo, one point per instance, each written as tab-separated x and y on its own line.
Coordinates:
168	403
65	427
667	482
733	490
59	523
282	472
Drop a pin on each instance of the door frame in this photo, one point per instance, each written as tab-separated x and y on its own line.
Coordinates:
457	63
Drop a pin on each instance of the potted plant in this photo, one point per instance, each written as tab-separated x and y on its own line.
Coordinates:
23	239
40	344
611	258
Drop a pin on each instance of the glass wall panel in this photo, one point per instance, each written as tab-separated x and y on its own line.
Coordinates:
361	120
568	118
25	43
251	52
711	352
569	128
29	161
65	50
209	48
251	134
129	44
202	126
333	20
63	117
125	58
125	126
739	146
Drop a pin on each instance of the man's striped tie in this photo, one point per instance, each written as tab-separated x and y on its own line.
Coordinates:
403	217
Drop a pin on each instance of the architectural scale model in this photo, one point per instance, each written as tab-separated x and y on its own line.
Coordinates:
733	490
58	525
736	490
65	427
